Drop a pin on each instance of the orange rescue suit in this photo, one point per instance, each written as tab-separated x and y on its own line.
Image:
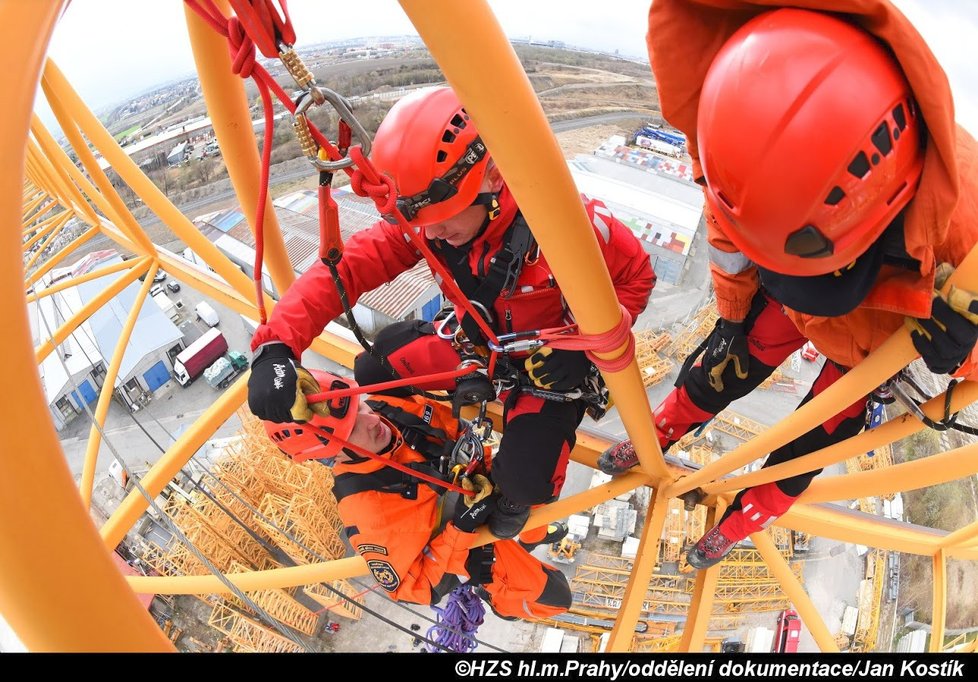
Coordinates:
408	551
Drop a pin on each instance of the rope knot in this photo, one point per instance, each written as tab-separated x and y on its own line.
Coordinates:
382	193
242	49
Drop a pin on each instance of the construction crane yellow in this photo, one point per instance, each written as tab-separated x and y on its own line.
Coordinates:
42	190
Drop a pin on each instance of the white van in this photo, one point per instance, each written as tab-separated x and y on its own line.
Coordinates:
206	313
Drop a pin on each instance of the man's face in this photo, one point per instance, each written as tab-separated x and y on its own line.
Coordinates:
369	431
459	229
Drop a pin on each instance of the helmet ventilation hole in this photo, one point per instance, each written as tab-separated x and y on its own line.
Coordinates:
859	166
881	138
900	116
835	196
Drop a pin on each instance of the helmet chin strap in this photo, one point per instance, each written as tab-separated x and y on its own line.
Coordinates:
491	201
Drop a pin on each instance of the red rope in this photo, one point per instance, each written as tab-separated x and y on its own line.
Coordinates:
266	162
265	25
607	342
257	22
209	12
387	385
325	609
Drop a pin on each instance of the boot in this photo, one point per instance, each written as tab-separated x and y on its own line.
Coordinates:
508	519
674	417
761	506
556	532
484	595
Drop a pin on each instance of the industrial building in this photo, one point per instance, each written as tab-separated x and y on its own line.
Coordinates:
148	359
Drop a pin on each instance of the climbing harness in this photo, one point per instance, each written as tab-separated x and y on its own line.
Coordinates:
467	448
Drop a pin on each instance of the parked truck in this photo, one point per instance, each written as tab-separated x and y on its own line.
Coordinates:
195	358
223	370
787	635
659	146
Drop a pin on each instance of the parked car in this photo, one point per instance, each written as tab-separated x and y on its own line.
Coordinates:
173	285
159	276
808	352
206	313
157	289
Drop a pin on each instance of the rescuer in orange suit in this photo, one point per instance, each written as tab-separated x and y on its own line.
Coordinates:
840	195
451	192
394	520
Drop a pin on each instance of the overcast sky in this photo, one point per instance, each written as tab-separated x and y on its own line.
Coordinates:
113	49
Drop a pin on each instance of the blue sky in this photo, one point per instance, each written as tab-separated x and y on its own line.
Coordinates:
146	44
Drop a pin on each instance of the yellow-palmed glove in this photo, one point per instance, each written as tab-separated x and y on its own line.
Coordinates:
278	386
727	347
477	508
946	339
558	370
478	484
306	384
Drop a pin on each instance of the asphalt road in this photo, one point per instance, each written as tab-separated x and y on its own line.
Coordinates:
302	170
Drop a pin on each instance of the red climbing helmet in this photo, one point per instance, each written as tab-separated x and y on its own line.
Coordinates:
810	141
430	147
300	442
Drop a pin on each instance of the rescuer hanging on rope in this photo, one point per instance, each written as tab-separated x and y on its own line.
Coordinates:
394	519
840	197
452	195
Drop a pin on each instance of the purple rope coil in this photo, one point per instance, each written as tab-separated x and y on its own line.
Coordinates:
457	622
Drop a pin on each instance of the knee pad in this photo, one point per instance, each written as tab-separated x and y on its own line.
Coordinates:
760	507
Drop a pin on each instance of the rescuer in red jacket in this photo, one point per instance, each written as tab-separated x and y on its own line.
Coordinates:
417	552
840	196
449	188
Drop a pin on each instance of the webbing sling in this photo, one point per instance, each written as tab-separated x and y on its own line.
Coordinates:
408	423
386	480
504	270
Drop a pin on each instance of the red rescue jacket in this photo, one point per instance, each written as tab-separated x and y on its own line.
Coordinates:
380	253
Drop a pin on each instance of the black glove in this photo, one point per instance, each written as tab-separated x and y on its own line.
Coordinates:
479	565
946	339
558	370
727	343
277	387
476	509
